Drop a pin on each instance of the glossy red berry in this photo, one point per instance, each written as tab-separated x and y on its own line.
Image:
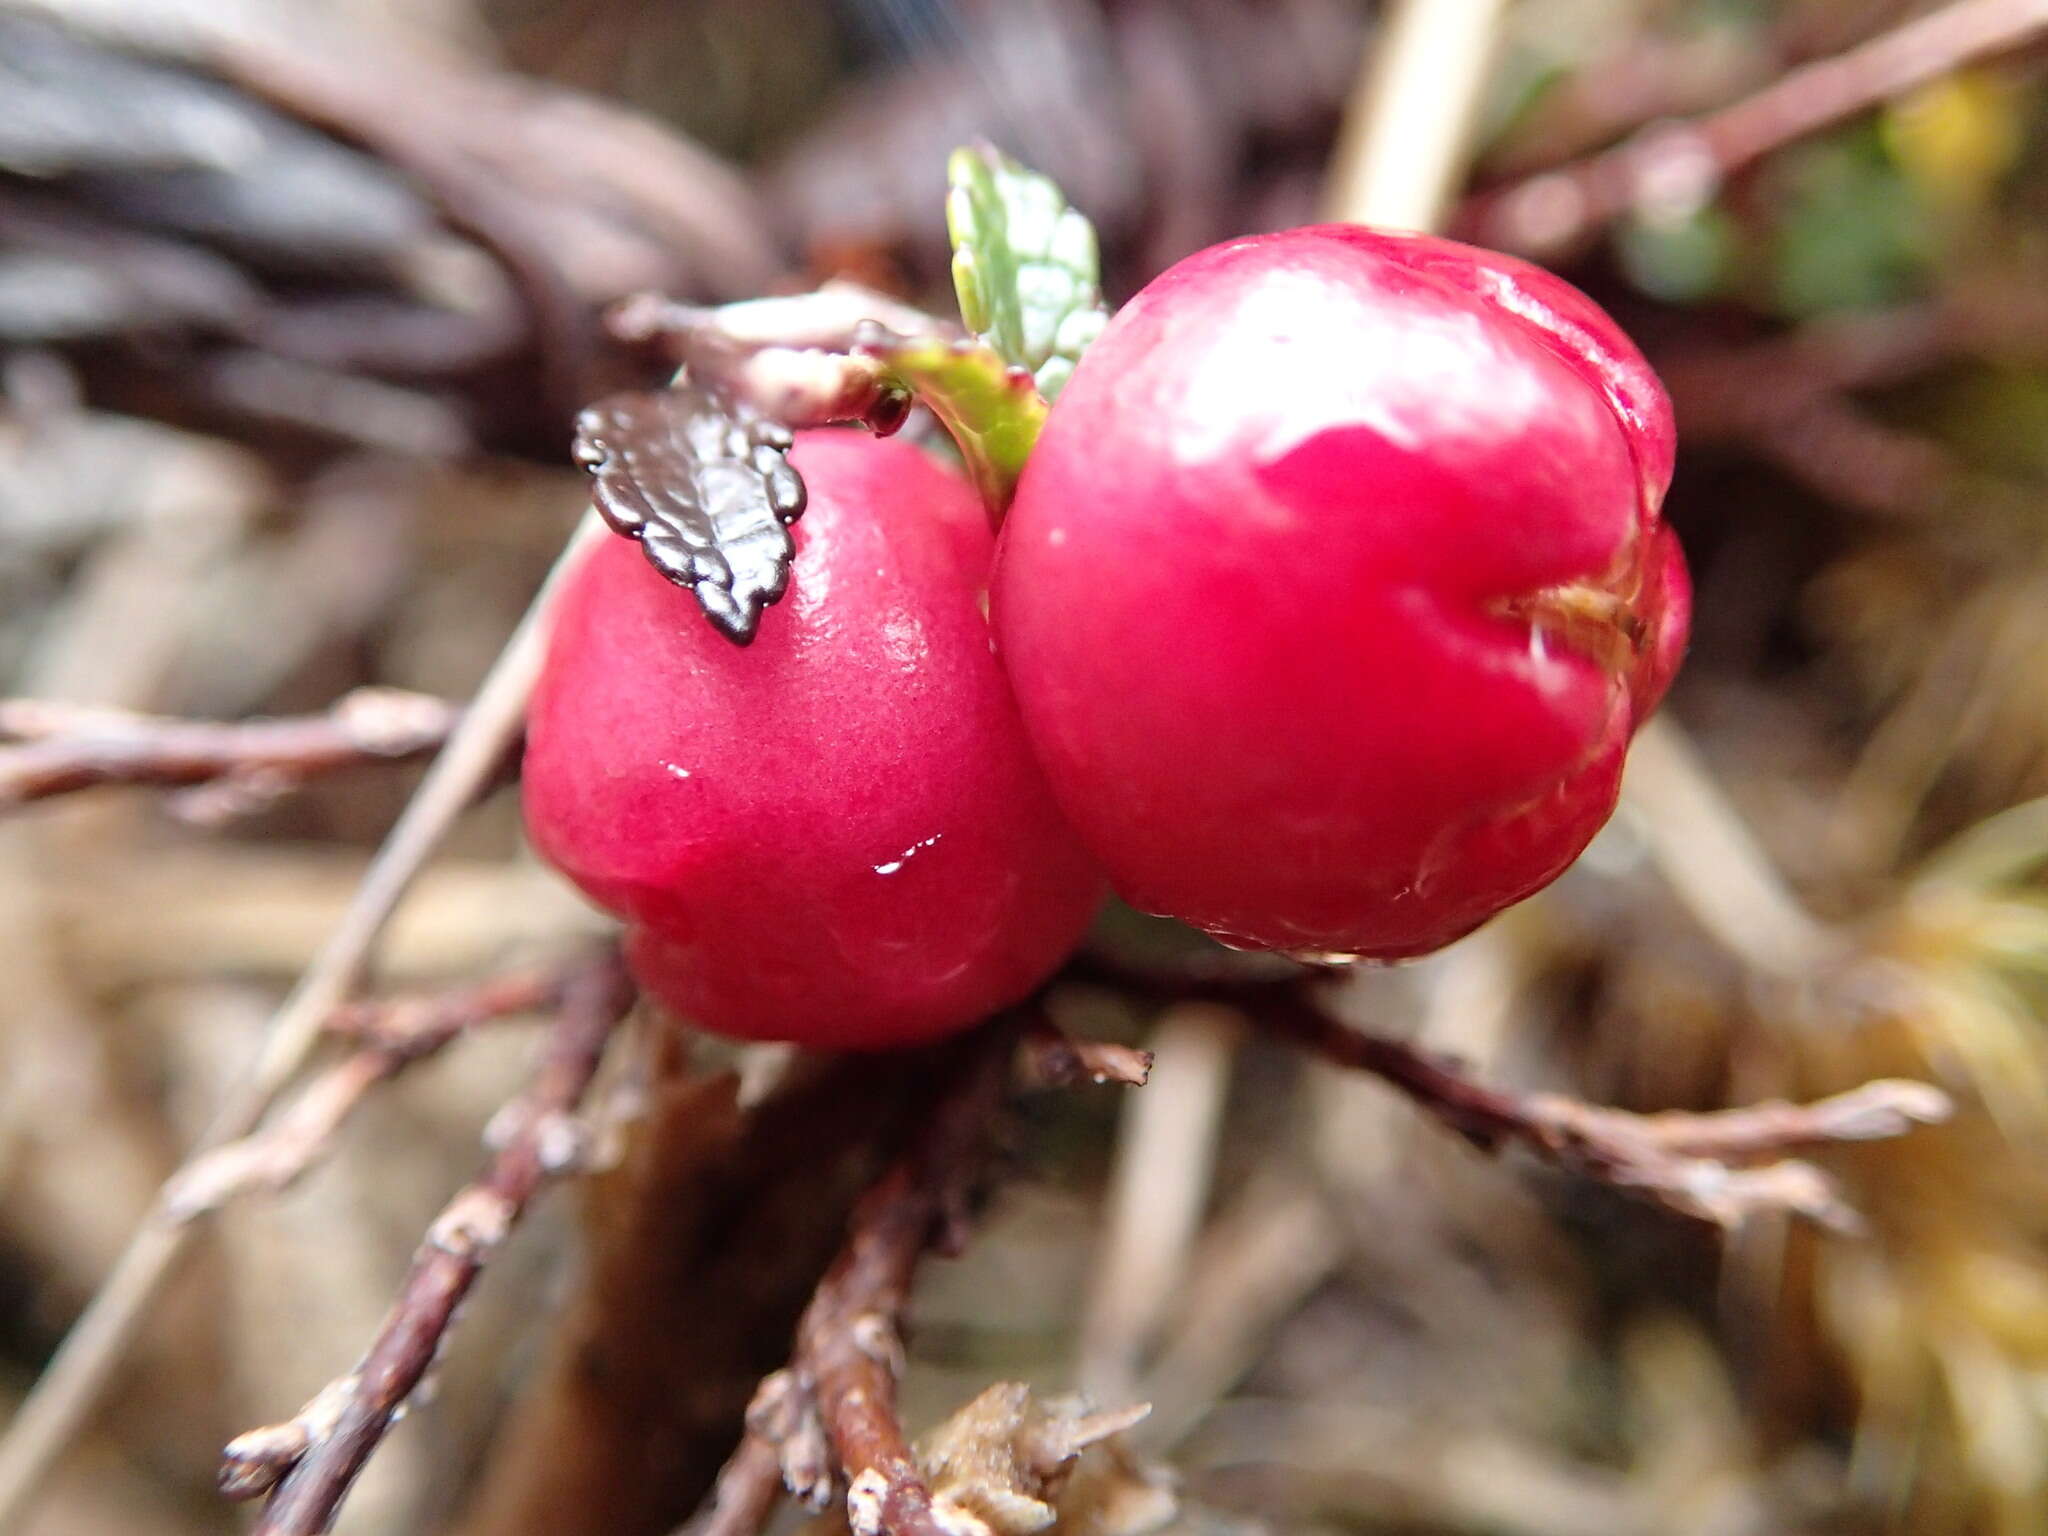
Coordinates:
1336	585
836	835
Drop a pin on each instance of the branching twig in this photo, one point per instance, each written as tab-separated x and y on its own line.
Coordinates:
1676	166
58	748
1691	1163
390	1036
313	1458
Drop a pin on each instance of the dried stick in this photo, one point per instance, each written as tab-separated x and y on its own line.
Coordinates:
1677	165
1402	151
390	1036
1689	1163
749	1487
71	1384
840	1384
312	1459
1713	862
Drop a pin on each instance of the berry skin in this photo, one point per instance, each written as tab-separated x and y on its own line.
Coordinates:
837	835
1335	587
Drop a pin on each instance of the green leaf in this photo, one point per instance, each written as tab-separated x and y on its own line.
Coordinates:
1024	265
992	410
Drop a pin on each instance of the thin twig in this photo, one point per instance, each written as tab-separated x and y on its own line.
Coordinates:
847	1343
58	1403
1688	1162
312	1459
1051	1058
1877	1111
748	1489
391	1035
1695	1164
1673	167
59	748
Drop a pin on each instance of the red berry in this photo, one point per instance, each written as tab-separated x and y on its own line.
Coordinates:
1335	587
837	835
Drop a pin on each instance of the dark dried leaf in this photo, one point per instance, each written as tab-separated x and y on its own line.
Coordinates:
703	483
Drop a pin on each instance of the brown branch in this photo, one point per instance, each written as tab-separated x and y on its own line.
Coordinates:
1676	166
59	748
389	1035
848	1344
311	1460
838	1394
1689	1163
704	1234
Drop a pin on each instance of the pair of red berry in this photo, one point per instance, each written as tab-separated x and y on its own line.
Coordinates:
1330	597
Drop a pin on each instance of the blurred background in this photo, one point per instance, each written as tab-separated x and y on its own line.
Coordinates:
296	304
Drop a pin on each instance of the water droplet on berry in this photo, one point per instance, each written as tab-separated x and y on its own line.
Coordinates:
1321	957
907	855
